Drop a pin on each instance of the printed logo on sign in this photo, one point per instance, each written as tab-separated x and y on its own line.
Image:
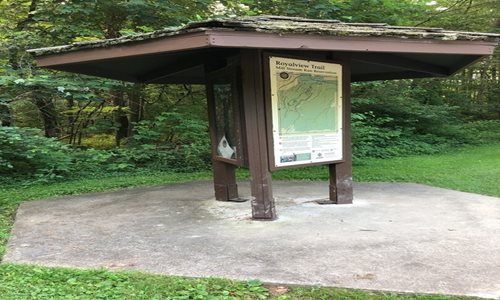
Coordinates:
284	75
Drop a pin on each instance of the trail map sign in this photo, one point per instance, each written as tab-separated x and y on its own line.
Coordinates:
306	101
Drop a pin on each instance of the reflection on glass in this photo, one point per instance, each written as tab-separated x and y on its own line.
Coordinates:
224	121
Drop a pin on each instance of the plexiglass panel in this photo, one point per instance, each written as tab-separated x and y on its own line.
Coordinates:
224	121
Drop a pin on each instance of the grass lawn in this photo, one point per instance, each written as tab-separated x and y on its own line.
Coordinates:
472	169
30	282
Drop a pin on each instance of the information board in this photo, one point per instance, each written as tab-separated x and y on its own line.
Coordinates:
306	99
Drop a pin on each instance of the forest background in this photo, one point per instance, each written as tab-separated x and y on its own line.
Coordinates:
58	126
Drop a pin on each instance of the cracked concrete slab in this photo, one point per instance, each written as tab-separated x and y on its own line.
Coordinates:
396	236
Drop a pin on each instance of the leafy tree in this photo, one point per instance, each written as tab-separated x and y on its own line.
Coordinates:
36	23
166	124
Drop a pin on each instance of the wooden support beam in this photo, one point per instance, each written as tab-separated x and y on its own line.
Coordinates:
168	71
403	63
464	63
263	207
224	173
96	70
387	76
185	63
340	188
225	185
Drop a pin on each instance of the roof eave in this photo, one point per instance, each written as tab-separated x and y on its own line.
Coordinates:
187	41
238	39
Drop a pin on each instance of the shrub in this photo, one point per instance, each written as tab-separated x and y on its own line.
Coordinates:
99	141
476	132
24	151
389	119
375	137
171	141
26	154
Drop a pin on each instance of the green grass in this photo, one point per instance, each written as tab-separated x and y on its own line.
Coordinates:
31	282
472	169
19	282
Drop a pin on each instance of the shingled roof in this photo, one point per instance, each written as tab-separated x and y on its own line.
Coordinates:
284	26
179	55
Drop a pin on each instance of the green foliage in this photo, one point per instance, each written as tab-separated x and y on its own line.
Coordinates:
394	12
169	121
59	283
477	132
376	137
24	151
100	141
391	120
172	140
456	15
348	294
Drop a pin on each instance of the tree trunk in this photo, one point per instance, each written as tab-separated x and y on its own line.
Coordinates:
71	121
136	106
48	113
5	115
120	116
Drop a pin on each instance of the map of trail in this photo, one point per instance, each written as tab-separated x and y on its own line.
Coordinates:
307	103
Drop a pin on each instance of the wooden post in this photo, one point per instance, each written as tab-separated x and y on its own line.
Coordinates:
255	123
224	173
341	173
225	185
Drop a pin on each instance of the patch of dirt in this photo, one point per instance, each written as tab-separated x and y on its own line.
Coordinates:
277	290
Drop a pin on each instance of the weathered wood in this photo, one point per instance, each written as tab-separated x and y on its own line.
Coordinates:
395	61
263	207
173	69
340	188
282	26
387	76
225	185
418	50
224	173
351	43
195	40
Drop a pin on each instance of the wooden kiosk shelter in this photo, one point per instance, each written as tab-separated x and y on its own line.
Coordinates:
278	87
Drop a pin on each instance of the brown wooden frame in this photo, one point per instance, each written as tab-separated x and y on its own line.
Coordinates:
269	117
232	75
340	185
263	206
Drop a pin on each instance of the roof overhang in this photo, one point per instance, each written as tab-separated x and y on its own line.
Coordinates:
180	58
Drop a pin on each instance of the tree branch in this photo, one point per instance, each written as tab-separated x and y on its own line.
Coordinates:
440	12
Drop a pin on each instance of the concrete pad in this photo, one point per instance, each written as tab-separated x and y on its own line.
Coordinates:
400	237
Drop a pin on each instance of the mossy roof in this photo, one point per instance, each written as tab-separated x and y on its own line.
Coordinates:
284	26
